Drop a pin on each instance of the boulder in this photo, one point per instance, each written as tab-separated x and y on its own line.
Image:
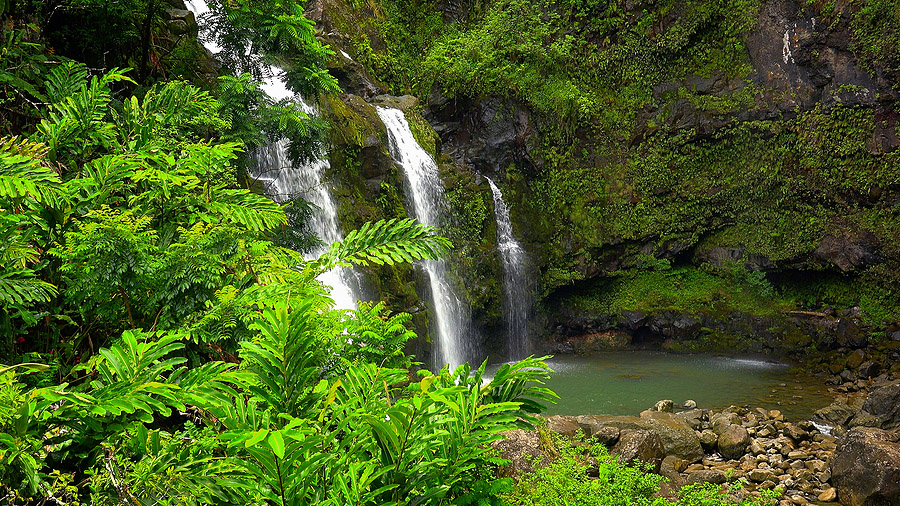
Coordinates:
706	476
796	433
709	440
756	448
671	468
836	414
633	320
884	403
762	475
640	445
664	406
733	441
607	436
828	495
868	369
856	359
721	421
676	435
693	417
520	447
563	425
865	468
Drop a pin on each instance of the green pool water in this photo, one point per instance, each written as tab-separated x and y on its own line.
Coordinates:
626	383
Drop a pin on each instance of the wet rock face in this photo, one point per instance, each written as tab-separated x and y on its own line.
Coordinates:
884	404
487	134
800	60
848	251
866	468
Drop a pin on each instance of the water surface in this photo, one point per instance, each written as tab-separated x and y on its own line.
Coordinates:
628	382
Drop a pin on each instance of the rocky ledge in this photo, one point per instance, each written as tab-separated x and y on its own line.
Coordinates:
752	446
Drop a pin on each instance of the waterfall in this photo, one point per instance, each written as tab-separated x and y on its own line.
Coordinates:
284	182
517	297
451	320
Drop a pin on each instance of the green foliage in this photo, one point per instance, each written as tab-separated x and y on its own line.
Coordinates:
372	337
567	479
21	69
875	33
161	263
296	423
384	242
684	289
255	33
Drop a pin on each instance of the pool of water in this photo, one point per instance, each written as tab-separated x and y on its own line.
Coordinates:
628	382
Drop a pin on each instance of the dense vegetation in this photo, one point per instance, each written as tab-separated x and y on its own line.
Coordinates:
166	348
164	340
591	477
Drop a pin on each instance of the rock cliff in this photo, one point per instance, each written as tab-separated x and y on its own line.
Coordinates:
711	176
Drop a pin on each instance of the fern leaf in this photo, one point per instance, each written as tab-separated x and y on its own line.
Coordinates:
22	173
384	242
18	292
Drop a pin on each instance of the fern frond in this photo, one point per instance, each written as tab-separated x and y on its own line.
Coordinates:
17	292
175	103
253	211
384	242
76	119
285	360
22	173
65	80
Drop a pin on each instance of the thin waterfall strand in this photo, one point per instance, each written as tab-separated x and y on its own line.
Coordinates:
451	318
517	297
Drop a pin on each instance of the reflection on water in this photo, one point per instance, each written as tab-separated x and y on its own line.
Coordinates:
625	383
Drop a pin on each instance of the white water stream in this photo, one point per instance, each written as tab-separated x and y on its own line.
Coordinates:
284	182
517	298
451	319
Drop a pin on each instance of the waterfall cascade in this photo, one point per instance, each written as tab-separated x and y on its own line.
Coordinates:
517	297
284	182
451	320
